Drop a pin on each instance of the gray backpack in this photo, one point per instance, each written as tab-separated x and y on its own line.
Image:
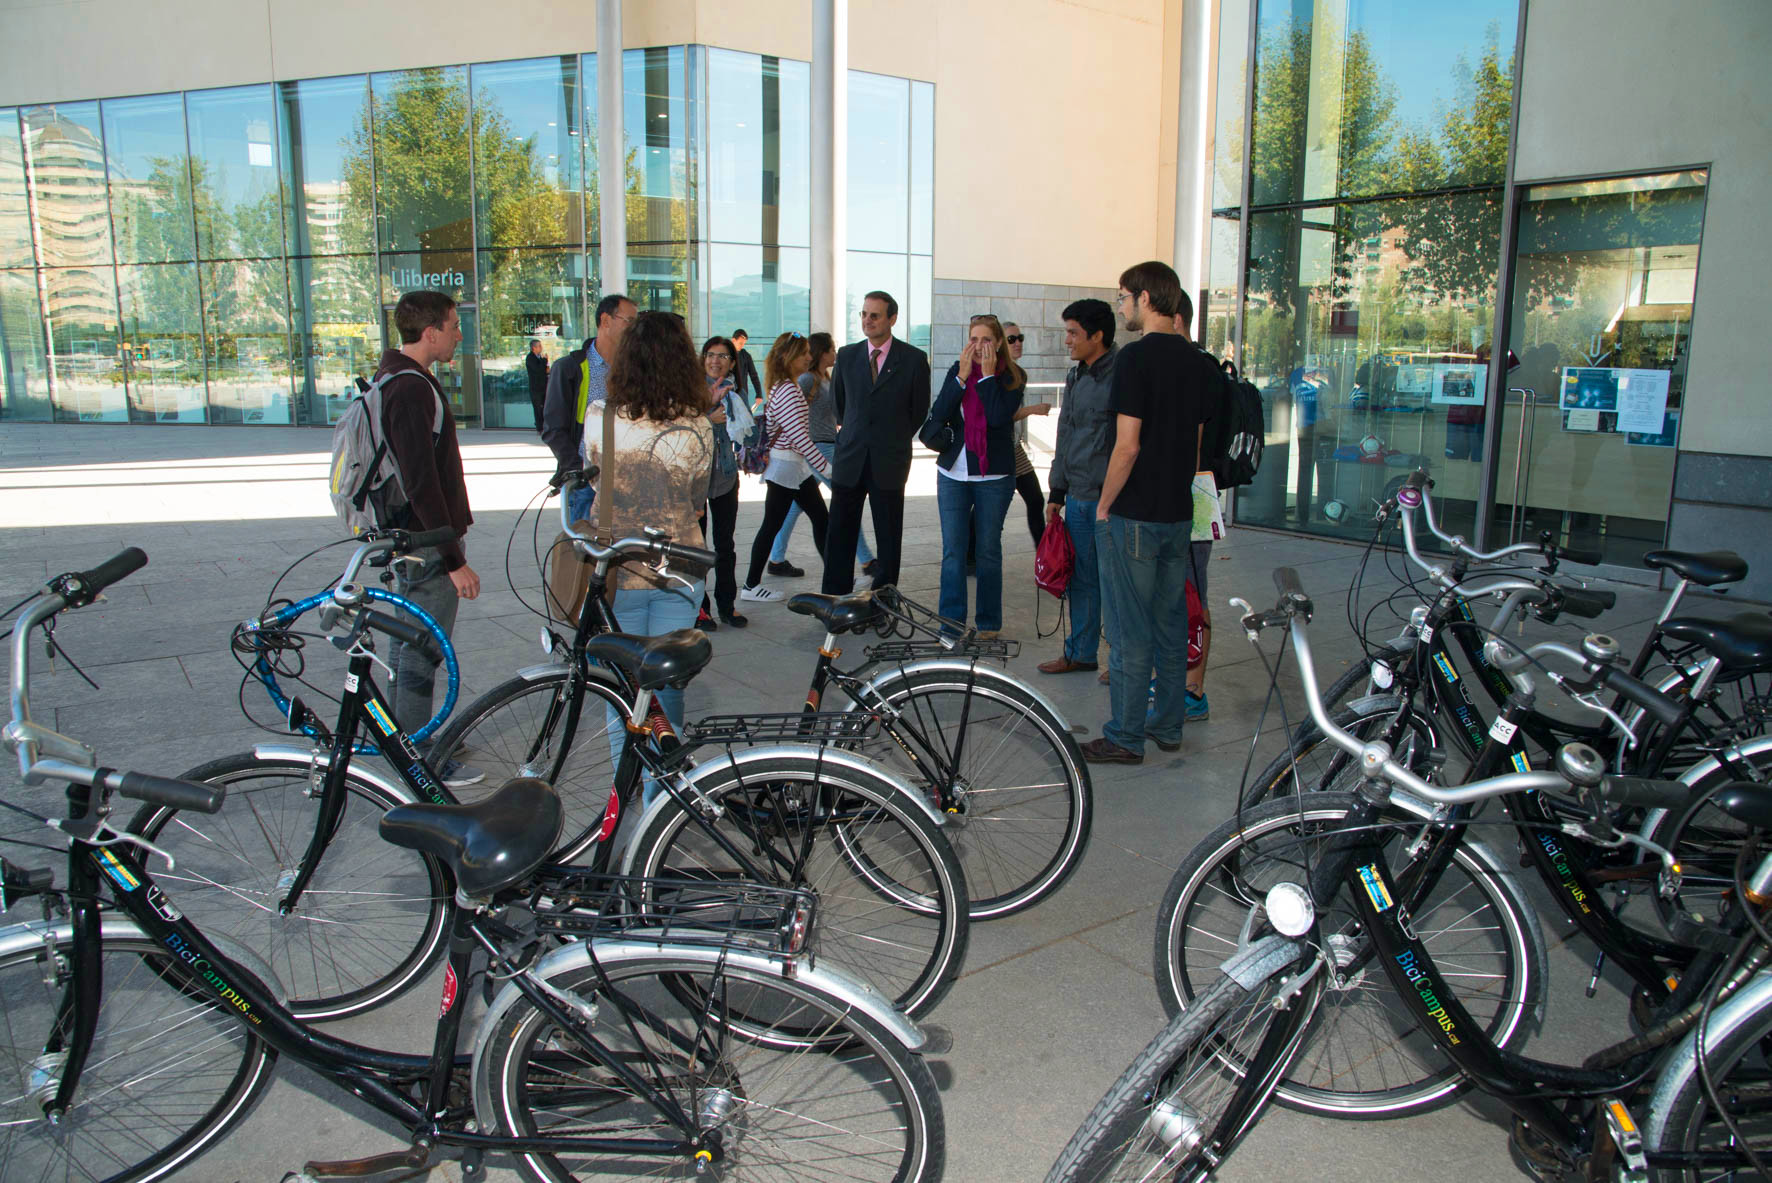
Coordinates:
365	485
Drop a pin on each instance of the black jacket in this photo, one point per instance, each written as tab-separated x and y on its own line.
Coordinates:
877	418
744	377
1000	405
561	428
537	366
430	468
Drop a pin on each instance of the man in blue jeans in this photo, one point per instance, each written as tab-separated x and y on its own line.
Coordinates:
1079	466
1163	389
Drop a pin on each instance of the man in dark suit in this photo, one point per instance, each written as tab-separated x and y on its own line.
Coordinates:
880	394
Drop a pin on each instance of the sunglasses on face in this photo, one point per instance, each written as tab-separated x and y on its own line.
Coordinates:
1015	338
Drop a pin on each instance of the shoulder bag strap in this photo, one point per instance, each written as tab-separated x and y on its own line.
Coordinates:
606	477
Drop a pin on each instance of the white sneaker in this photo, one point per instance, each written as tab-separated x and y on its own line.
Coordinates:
759	594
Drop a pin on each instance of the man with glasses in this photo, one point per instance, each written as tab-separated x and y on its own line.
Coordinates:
880	397
1162	397
576	382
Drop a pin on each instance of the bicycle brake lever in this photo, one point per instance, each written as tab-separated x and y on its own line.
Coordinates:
358	647
116	837
1671	871
1592	703
1248	614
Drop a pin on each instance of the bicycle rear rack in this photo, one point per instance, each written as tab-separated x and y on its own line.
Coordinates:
781	727
725	913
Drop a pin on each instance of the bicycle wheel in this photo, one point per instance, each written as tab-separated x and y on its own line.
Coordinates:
1365	1059
1312	764
850	1104
1704	840
1680	1117
1023	801
518	728
1170	1115
891	896
1357	682
169	1072
371	921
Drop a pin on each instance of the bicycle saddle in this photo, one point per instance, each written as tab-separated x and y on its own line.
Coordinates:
1747	802
653	662
490	844
840	614
1705	568
1744	641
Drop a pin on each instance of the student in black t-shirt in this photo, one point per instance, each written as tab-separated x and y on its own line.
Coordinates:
1161	401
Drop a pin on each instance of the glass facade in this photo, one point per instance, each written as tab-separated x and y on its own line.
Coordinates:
233	256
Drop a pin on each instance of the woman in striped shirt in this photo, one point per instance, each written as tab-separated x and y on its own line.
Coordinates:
793	459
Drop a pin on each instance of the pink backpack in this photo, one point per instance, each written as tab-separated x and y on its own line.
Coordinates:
1054	558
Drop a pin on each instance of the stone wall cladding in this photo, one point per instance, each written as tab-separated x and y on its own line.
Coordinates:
1036	307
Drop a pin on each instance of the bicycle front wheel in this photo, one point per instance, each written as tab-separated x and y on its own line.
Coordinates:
1365	1059
1683	1118
169	1072
1018	796
891	896
371	921
1175	1113
848	1103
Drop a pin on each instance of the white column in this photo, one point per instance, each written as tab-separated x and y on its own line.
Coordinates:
830	166
1193	164
612	184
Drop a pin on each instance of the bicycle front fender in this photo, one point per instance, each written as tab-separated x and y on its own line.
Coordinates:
394	787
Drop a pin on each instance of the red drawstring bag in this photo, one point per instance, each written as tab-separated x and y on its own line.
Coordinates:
1196	628
1054	558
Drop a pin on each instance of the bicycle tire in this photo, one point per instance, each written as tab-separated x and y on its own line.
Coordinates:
147	1104
518	729
1681	1119
373	919
1324	767
1182	1082
1356	681
891	895
1477	924
1704	841
850	1102
1021	819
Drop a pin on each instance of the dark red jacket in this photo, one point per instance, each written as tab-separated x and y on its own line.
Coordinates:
430	470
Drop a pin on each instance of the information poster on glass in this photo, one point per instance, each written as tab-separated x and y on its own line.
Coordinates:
1590	398
1459	384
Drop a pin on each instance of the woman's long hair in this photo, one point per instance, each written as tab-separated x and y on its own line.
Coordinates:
778	367
655	374
824	354
1017	377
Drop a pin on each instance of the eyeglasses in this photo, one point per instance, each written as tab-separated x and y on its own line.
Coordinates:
1126	296
1015	338
718	355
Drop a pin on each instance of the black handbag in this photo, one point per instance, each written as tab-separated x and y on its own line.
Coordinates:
936	435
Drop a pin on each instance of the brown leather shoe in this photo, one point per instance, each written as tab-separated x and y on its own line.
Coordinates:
1064	665
1104	677
1105	751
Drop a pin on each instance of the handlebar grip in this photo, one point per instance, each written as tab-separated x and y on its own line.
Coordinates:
691	554
1661	708
1582	555
1416	479
569	476
1292	595
1640	790
112	569
172	792
437	537
1587	603
415	635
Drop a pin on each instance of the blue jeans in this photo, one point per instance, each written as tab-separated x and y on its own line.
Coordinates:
651	612
581	504
978	508
1144	568
1085	591
779	552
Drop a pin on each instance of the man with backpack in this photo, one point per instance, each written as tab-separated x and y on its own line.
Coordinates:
427	456
575	382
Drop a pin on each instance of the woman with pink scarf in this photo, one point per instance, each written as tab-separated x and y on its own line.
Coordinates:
978	402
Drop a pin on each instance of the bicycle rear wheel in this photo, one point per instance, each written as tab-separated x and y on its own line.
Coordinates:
370	923
847	1103
1022	801
169	1072
891	896
1175	1113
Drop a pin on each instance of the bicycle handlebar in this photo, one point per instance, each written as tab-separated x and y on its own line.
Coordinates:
653	544
405	630
170	791
91	583
396	541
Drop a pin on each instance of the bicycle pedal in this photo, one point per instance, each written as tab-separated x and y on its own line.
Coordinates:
390	1167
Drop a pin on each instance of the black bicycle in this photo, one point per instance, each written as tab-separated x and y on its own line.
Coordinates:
673	1029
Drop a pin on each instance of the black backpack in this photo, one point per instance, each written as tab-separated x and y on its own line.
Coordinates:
1238	433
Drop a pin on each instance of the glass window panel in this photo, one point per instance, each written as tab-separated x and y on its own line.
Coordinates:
765	290
1230	114
658	277
246	331
1367	332
527	153
922	197
1381	96
24	367
15	212
524	296
327	163
879	162
80	337
1221	287
759	157
336	323
655	117
422	194
913	323
162	347
1605	277
65	171
148	164
869	272
234	173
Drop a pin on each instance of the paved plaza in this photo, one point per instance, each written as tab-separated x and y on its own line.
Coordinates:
1052	1004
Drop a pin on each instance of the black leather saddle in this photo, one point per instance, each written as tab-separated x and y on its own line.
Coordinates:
1747	802
1705	568
490	844
840	614
654	662
1744	641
